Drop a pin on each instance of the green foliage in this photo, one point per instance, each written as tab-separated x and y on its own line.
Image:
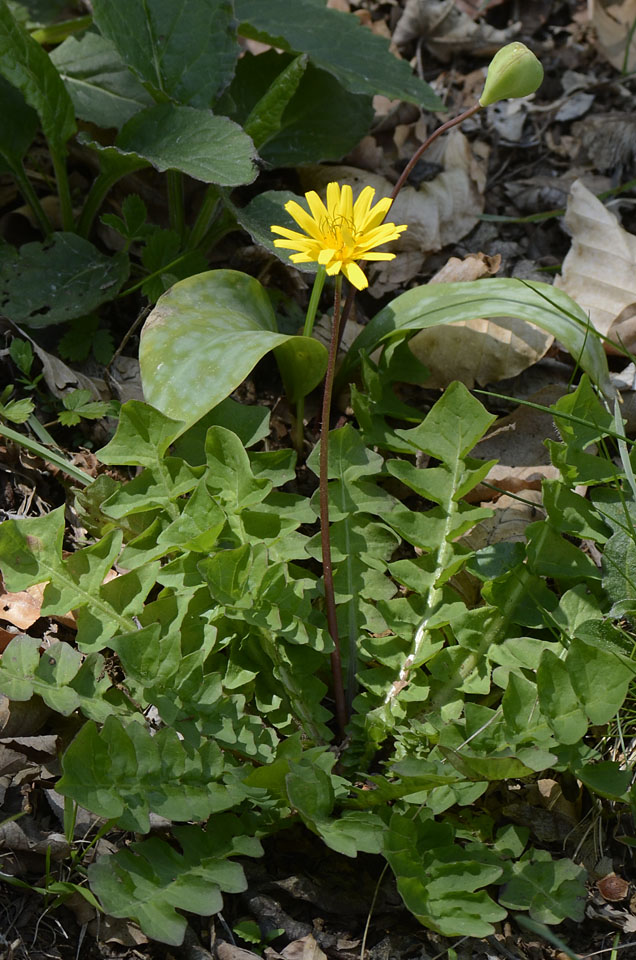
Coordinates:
150	879
219	633
203	331
172	80
53	282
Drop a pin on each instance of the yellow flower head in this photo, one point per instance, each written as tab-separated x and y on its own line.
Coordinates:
340	233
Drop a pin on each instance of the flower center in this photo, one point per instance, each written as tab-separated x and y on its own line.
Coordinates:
340	232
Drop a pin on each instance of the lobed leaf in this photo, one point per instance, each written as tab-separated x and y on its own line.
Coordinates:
151	880
44	284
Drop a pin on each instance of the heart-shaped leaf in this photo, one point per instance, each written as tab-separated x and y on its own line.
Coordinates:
204	337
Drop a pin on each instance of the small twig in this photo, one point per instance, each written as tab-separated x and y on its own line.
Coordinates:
370	913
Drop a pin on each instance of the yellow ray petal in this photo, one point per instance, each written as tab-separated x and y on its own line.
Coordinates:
303	219
333	200
290	234
354	275
362	206
318	209
377	213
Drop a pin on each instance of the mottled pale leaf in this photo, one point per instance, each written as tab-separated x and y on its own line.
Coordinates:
204	337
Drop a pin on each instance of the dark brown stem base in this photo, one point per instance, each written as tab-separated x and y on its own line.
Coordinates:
327	569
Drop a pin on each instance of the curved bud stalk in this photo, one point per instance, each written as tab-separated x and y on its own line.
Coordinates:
514	71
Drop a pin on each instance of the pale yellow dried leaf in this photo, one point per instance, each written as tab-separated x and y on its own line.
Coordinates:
599	271
612	22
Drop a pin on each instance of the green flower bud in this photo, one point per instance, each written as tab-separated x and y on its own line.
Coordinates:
514	71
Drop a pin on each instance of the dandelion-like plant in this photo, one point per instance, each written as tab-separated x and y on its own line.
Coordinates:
336	237
341	233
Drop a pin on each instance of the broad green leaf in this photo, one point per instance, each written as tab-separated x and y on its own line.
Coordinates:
605	778
600	680
158	487
28	67
148	880
263	211
305	114
142	437
124	772
204	337
103	90
310	792
190	139
31	552
475	767
249	423
550	889
551	555
440	483
336	42
558	701
19	124
439	881
571	513
354	831
65	681
183	50
229	474
452	427
619	567
43	284
348	458
264	119
435	304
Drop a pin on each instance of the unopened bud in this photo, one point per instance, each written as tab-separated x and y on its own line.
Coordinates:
514	71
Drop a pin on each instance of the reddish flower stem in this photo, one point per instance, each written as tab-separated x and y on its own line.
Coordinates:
336	334
327	569
435	134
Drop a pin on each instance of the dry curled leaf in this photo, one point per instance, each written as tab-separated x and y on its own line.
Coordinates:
447	30
613	22
599	271
613	888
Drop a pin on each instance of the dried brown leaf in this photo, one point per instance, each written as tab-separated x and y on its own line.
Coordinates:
599	271
613	22
447	30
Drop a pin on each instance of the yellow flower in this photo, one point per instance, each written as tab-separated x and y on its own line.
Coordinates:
340	233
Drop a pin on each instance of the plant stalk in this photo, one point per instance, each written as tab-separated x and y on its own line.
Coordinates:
100	187
298	433
63	188
435	134
32	200
327	569
175	202
205	218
